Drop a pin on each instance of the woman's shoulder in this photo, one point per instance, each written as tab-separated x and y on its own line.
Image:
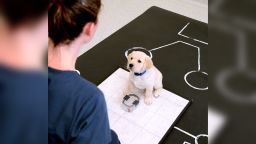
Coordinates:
71	84
90	95
90	87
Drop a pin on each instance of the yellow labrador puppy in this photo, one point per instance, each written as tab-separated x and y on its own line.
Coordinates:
144	75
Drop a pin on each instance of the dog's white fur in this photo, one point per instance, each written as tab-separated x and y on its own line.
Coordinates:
150	81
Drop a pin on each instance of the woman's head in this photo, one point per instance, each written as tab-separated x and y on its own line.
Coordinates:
69	19
23	31
19	13
26	19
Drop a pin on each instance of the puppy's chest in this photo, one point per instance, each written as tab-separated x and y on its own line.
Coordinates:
142	82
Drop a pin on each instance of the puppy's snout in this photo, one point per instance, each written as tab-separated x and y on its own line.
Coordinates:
130	65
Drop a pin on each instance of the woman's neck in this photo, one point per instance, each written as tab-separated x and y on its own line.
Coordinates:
21	59
63	57
20	54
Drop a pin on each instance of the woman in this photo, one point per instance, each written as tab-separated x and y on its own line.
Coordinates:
23	83
77	109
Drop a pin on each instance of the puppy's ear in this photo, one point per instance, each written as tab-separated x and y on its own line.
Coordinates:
128	58
129	55
149	63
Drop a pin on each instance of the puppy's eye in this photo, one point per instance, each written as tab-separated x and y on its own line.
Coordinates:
139	61
131	58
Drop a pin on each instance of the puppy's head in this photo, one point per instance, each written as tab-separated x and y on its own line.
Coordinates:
138	62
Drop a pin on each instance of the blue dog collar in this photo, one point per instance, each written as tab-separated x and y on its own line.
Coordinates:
140	74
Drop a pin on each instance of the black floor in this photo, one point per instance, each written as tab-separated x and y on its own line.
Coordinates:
154	28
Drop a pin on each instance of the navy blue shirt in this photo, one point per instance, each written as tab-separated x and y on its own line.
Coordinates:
23	107
77	110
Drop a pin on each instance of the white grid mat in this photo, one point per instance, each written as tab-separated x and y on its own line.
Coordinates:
146	124
216	122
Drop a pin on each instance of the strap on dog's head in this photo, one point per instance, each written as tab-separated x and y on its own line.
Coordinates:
138	48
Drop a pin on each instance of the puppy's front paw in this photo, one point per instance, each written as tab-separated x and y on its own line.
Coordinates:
125	92
156	93
148	100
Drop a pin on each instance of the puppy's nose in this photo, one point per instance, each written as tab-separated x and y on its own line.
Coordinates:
130	65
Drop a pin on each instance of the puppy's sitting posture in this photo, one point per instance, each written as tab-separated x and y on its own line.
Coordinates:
143	75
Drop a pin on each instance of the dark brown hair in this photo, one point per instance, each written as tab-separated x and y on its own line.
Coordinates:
17	12
68	17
